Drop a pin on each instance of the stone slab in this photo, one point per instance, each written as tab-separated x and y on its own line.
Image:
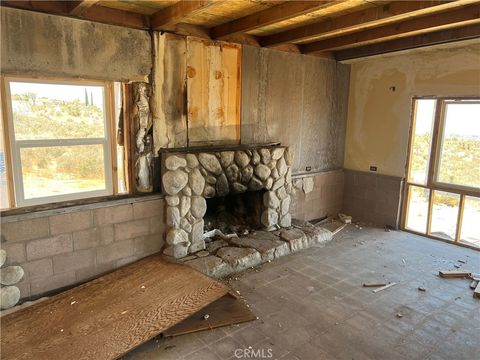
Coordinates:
268	245
240	258
211	266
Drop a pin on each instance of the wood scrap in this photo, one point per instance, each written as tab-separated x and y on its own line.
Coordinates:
374	284
454	274
337	230
228	310
473	284
421	288
476	292
384	287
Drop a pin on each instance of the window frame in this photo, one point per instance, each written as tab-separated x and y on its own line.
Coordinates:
436	149
14	146
432	184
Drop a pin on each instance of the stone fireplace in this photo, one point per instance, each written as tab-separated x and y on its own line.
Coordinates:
252	183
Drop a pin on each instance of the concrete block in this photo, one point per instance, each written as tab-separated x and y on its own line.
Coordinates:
42	285
131	229
15	252
65	223
113	214
73	261
149	244
157	225
94	271
93	237
37	249
115	251
23	230
146	209
38	268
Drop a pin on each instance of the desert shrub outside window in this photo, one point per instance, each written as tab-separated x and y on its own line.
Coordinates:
60	136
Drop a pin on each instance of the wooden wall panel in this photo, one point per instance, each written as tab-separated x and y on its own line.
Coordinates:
213	91
169	91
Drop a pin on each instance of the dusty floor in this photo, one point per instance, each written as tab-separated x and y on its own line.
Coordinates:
311	305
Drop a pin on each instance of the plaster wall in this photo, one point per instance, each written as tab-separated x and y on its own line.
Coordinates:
38	44
381	91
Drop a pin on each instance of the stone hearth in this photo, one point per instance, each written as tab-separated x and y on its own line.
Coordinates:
224	257
190	177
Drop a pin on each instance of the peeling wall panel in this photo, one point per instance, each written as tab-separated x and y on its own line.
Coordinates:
298	100
47	45
213	91
169	99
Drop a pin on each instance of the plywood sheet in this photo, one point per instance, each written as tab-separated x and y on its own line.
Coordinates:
213	90
228	310
169	101
139	7
105	318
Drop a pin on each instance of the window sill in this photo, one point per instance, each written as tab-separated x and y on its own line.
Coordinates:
72	206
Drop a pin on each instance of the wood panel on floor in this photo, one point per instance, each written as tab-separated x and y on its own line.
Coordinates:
228	310
111	315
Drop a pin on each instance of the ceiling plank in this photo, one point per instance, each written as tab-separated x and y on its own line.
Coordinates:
395	11
414	26
268	16
172	15
115	17
433	38
94	13
79	7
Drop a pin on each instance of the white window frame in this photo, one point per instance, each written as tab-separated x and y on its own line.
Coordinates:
17	145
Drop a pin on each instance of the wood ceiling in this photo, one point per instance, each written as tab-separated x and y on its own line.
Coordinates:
343	29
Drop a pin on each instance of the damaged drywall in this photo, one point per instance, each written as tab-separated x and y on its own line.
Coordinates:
298	100
47	45
381	95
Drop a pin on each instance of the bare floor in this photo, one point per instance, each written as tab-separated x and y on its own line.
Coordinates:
311	305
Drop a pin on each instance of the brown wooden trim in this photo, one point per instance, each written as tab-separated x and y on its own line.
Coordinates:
364	19
174	14
418	25
129	146
95	13
461	205
439	108
112	134
6	144
462	244
412	42
78	7
268	16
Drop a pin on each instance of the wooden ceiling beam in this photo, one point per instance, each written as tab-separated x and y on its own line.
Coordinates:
412	42
394	11
77	8
463	16
93	12
268	16
170	16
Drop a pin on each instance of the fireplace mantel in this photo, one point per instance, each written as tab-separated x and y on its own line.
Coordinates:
192	175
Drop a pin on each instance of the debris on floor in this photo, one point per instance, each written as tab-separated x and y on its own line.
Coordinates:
374	284
421	288
384	287
474	284
346	219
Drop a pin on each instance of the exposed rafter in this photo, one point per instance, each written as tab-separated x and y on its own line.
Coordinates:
173	15
364	19
418	25
433	38
94	12
268	16
79	7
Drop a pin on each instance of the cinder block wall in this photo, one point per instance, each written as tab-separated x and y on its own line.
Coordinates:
373	198
62	249
324	200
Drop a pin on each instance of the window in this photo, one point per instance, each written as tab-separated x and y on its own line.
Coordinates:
443	177
61	138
